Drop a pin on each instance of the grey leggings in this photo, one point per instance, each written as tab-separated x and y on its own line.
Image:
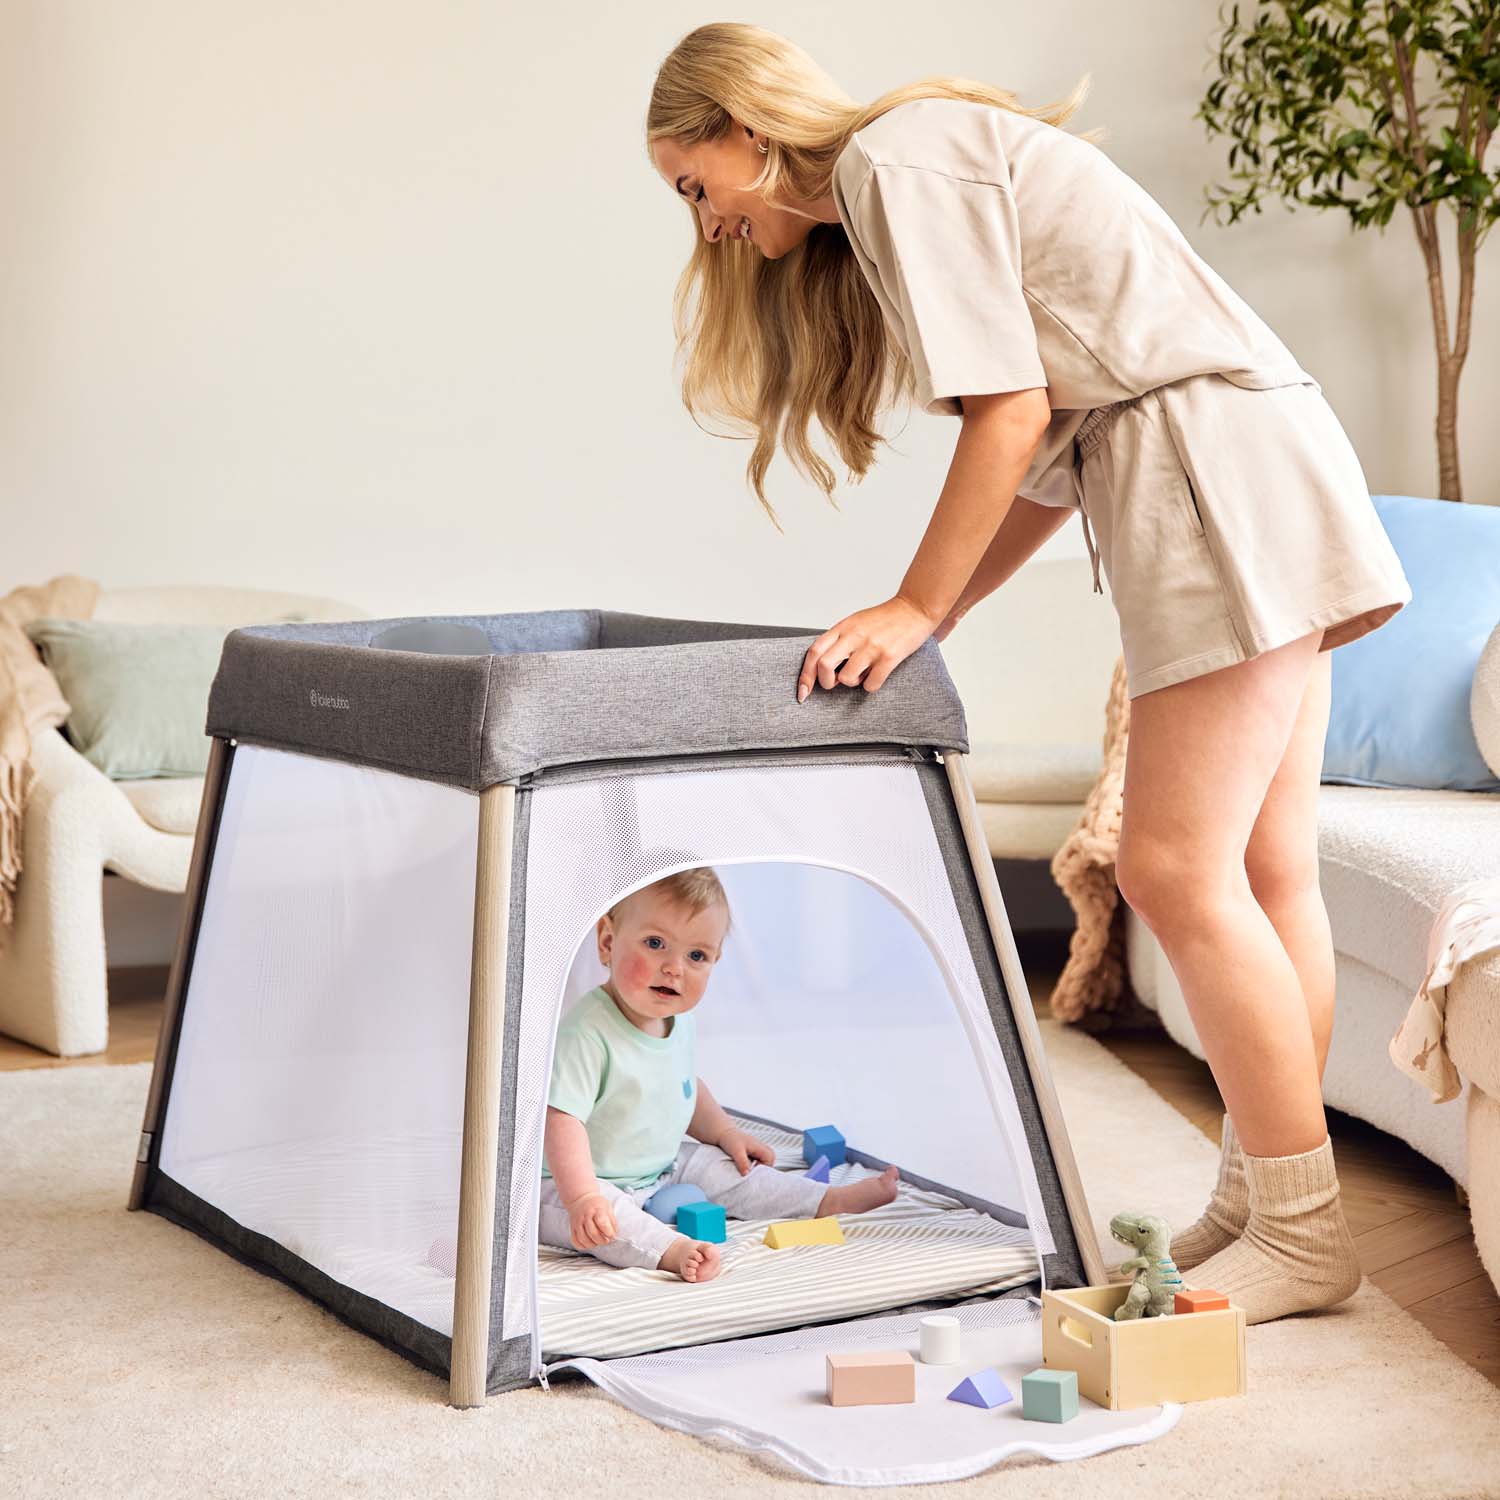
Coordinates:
641	1240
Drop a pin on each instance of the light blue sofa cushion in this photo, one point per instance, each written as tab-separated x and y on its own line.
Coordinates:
1400	709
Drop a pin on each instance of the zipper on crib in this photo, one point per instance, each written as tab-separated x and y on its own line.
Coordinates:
905	752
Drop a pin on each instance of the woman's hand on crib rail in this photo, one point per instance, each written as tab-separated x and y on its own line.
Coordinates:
864	648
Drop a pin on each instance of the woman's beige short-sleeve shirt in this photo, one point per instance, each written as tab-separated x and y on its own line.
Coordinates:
1008	254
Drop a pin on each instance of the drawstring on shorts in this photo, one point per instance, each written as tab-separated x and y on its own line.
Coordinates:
1091	432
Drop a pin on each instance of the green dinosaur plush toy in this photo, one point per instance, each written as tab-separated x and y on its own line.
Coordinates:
1157	1280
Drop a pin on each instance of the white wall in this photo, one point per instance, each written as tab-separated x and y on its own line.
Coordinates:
373	300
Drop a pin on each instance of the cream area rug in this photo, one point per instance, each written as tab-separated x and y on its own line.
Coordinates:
136	1360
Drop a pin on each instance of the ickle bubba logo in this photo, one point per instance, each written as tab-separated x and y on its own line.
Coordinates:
322	700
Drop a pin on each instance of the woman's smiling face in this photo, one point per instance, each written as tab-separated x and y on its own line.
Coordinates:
713	177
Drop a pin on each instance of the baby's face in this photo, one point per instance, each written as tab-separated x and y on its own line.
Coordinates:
659	956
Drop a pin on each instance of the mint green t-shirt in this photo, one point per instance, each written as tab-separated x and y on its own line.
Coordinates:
634	1093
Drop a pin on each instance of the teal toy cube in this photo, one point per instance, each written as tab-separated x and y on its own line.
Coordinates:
1049	1395
703	1221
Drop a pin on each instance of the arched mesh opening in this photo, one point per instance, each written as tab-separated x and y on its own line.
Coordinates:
829	1004
589	840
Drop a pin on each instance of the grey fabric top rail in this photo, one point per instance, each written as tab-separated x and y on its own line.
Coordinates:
473	700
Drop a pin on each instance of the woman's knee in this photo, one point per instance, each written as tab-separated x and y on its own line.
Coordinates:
1168	885
1283	880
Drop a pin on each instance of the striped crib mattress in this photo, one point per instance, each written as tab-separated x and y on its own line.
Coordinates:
922	1246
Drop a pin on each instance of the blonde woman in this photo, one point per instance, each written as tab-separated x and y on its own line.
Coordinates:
947	244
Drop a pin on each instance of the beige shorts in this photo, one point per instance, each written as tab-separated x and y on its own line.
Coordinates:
1230	521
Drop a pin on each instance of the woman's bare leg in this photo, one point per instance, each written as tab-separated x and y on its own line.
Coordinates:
1200	760
1231	763
1282	858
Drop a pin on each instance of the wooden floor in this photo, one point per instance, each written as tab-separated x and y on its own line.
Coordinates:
1413	1235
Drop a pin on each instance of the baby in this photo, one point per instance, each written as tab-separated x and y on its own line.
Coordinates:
624	1093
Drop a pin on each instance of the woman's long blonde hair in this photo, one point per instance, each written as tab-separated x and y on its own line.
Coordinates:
770	344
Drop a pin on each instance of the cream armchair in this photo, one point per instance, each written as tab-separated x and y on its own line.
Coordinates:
79	823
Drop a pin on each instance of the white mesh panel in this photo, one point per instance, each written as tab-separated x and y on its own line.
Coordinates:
319	1087
854	1003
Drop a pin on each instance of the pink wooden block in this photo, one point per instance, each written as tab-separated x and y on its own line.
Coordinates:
876	1377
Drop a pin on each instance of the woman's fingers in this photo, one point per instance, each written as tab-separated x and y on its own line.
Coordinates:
857	665
809	673
816	667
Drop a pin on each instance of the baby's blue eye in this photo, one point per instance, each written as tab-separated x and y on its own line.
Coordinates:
653	940
698	956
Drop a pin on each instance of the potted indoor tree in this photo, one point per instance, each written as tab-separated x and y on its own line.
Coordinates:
1365	105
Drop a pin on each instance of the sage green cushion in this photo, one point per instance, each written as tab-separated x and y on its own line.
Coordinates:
138	693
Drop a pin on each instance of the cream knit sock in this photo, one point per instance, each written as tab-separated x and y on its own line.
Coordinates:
1223	1221
1296	1252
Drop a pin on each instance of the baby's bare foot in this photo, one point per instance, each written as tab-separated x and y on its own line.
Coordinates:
859	1197
693	1260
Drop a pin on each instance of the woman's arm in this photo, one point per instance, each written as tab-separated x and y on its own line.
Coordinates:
999	439
994	451
1025	527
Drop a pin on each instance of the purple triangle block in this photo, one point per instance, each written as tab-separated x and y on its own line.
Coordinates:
819	1170
983	1388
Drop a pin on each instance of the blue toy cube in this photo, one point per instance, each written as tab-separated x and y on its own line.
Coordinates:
823	1140
703	1221
1049	1395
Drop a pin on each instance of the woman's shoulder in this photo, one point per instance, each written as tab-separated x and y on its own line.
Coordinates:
960	138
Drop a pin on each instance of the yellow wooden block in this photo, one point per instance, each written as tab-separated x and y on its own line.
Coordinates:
1184	1357
791	1232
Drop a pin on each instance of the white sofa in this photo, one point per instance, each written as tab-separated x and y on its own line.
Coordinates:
1033	665
79	823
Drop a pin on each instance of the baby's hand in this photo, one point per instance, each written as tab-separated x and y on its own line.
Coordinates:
742	1148
591	1221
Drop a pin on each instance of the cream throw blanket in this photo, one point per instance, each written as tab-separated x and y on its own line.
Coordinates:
30	701
1468	925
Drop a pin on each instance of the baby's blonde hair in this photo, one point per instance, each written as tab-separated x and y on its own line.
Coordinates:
694	890
771	345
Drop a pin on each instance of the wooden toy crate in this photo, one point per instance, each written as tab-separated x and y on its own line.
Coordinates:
1184	1357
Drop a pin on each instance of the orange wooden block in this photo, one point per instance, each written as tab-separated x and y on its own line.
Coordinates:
1198	1299
877	1377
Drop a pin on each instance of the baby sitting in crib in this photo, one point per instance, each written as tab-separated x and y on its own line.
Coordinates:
624	1093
